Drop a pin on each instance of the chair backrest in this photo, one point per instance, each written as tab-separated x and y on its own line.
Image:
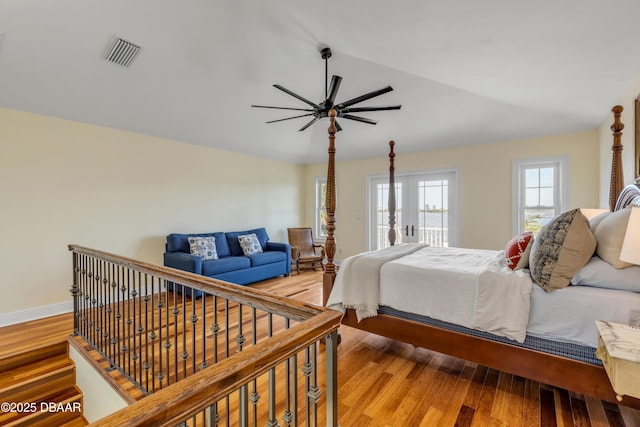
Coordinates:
302	238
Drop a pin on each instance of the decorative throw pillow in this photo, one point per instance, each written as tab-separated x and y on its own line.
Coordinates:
518	249
561	248
610	236
250	244
204	247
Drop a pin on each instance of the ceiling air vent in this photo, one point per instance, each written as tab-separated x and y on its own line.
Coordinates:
122	52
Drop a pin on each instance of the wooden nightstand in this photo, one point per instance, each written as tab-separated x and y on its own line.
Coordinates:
619	350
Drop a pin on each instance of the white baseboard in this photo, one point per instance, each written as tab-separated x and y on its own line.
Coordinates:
35	313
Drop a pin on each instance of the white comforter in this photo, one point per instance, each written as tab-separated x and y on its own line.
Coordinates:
468	287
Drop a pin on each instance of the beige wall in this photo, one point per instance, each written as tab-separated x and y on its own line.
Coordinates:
628	141
64	182
484	182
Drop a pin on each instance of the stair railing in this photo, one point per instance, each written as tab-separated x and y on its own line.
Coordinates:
210	359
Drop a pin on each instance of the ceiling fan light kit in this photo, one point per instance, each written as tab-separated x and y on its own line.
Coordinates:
343	109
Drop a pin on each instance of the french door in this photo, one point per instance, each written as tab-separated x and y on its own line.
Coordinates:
425	209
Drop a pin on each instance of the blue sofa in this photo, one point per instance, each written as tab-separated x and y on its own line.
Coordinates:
232	265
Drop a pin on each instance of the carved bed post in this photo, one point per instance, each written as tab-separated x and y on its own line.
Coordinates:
392	195
617	178
330	197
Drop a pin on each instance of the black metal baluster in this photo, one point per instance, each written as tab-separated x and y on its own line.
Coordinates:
126	331
113	309
215	329
104	293
203	364
120	306
288	415
194	325
255	396
167	343
243	393
226	328
139	327
306	371
153	337
90	302
147	365
226	352
160	304
175	312
132	323
314	392
273	421
75	290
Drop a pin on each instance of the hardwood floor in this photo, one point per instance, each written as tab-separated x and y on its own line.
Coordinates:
389	383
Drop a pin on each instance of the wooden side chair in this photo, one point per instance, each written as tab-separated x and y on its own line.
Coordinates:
303	249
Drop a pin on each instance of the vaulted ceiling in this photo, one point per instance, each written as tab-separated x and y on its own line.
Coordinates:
466	72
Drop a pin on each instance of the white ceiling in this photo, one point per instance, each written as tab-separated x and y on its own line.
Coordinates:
465	71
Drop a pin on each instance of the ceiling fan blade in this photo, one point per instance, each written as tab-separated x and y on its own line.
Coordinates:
315	119
364	97
289	118
295	95
333	91
359	119
283	108
361	109
337	125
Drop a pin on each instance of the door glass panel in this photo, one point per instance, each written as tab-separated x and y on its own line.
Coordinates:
433	212
382	215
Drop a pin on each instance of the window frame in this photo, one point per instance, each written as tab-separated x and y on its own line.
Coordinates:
561	185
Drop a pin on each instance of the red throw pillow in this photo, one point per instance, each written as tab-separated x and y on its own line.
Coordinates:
517	251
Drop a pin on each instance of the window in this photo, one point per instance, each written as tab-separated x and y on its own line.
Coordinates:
539	192
321	209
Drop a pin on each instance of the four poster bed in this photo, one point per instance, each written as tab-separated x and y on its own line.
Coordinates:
535	353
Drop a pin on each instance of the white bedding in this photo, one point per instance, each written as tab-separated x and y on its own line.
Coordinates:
468	287
566	315
569	314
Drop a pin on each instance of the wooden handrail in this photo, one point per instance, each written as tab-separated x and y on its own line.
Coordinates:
292	309
174	404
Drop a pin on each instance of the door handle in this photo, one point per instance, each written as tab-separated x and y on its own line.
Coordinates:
406	231
412	231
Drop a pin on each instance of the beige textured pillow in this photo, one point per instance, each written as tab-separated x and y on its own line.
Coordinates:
596	220
610	235
561	248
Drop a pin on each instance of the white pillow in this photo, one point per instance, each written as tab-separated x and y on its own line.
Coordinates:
596	220
204	247
601	274
250	244
610	235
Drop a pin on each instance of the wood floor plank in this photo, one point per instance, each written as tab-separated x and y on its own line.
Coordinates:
547	408
580	412
485	403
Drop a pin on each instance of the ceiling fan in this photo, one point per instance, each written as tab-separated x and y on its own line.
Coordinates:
343	109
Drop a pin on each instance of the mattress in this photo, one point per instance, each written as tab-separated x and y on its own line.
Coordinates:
569	314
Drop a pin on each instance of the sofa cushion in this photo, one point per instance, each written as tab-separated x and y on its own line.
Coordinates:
234	244
177	242
268	257
223	265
